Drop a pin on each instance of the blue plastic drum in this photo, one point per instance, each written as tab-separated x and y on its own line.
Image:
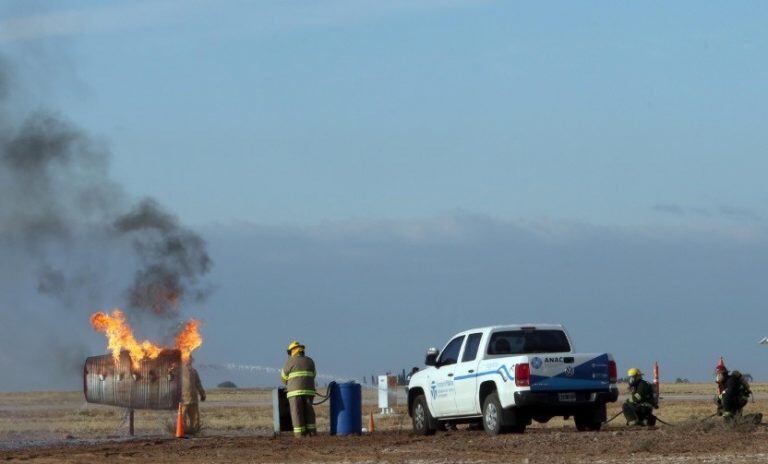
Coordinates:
346	409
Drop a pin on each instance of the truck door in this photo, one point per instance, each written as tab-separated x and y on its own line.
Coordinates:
465	377
441	383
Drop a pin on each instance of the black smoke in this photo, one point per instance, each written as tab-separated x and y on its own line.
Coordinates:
55	189
173	258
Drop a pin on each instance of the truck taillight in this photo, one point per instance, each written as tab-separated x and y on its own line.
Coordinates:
612	372
523	375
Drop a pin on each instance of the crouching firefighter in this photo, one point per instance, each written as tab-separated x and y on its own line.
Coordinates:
299	376
638	409
733	394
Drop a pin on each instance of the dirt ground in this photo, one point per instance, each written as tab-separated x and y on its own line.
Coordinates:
535	446
59	427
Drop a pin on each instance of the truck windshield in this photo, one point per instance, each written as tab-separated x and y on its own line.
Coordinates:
528	341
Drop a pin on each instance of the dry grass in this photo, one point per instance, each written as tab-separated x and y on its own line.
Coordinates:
51	415
47	415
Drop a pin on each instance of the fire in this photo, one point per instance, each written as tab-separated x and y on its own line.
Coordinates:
189	339
120	338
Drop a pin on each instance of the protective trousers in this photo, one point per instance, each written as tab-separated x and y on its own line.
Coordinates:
191	418
638	414
302	415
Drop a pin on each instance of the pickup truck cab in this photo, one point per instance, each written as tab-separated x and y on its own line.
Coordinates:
506	376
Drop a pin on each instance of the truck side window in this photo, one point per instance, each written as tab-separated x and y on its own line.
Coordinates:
451	352
470	351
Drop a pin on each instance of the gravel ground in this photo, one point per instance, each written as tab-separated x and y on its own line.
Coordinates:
551	446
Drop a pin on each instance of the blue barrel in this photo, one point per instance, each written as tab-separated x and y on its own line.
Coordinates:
346	409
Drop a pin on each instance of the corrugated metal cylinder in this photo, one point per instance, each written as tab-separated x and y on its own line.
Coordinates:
154	384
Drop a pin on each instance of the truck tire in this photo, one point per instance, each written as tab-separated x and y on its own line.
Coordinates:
588	421
492	415
423	422
515	428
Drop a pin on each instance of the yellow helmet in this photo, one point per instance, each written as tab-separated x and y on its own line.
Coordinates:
632	372
294	345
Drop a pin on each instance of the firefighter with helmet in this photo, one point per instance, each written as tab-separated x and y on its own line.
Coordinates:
298	375
733	393
638	409
191	389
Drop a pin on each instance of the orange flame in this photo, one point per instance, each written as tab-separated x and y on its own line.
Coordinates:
189	339
120	338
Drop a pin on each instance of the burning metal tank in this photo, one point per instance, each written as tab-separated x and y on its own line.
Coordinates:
148	384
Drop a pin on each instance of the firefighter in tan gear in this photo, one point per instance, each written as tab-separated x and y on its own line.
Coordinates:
299	376
191	389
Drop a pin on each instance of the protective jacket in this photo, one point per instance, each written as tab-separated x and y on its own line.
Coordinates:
735	394
299	376
641	394
191	387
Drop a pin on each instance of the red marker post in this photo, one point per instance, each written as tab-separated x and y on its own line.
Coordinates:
720	366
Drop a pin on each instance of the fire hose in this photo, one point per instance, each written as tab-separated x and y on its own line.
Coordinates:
327	394
656	417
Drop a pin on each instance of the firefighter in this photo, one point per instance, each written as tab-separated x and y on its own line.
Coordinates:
638	409
191	389
410	374
734	393
299	376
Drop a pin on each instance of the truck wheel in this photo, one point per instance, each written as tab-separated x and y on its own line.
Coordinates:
587	423
492	414
515	428
423	423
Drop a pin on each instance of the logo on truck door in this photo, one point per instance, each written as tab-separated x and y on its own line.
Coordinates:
536	362
441	389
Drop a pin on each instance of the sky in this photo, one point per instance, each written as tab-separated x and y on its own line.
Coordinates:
371	172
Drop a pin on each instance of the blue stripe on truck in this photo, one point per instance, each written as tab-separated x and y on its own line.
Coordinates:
502	371
582	377
579	380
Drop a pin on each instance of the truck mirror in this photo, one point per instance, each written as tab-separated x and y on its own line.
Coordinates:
432	355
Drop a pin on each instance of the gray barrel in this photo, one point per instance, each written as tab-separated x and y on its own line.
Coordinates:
155	384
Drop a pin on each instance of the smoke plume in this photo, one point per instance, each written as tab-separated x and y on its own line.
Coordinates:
173	258
55	189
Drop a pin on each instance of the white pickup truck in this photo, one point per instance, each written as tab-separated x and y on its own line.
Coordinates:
506	376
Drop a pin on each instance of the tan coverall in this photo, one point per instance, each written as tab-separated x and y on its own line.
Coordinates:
299	376
191	388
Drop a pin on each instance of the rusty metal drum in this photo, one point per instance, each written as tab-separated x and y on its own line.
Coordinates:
152	384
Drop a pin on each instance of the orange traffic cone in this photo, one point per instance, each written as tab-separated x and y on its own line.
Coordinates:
180	423
371	425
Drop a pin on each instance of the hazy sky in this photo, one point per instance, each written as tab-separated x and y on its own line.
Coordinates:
415	168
